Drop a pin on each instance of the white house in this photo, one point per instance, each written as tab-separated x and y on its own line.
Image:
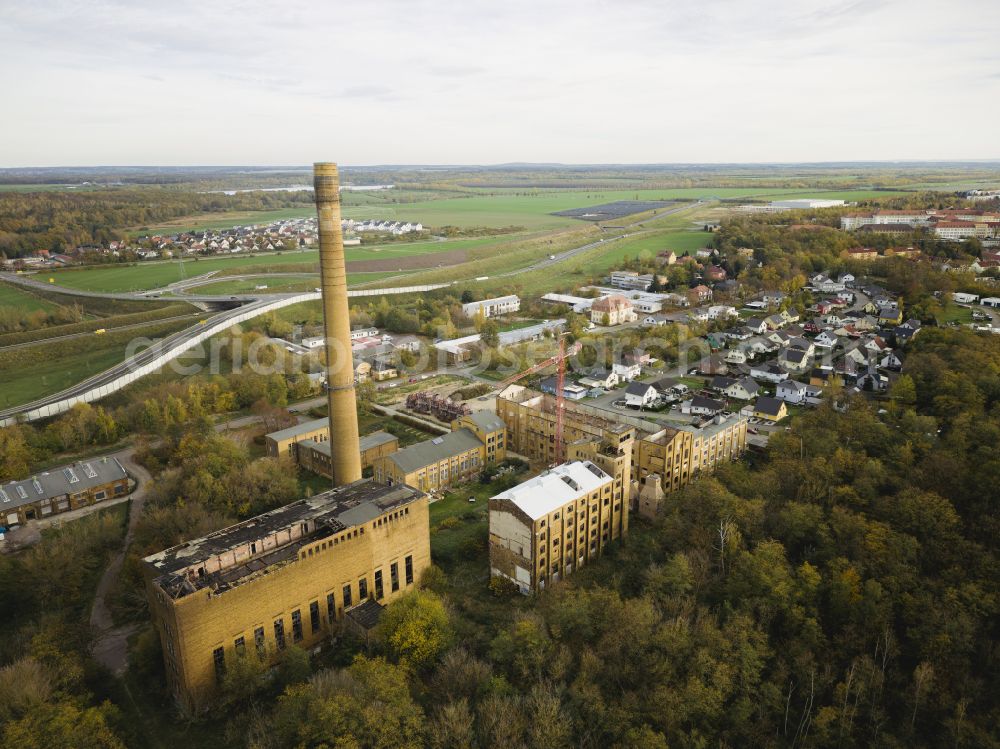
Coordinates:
791	391
703	406
640	394
826	339
768	372
735	356
721	311
626	372
500	305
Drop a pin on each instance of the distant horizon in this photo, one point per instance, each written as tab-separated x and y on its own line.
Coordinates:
988	161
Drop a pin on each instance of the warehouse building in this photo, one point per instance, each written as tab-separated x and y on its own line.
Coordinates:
476	440
61	490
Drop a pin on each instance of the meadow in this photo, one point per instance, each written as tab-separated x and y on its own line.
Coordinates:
11	296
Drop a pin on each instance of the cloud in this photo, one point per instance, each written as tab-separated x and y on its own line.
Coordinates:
447	81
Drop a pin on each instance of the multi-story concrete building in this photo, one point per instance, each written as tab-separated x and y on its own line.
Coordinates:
548	526
61	489
676	454
283	578
628	279
500	305
475	441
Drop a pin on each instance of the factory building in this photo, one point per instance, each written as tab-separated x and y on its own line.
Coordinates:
287	577
552	524
308	444
675	454
476	440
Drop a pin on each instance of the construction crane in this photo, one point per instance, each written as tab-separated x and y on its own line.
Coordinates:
559	360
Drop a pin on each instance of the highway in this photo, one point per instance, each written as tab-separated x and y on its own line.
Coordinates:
91	334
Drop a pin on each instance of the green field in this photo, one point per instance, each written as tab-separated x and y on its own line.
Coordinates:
157	274
279	284
11	296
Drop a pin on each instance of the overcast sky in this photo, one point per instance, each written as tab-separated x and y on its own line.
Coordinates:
467	81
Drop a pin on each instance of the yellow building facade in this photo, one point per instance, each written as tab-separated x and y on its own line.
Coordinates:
283	578
675	454
476	440
552	524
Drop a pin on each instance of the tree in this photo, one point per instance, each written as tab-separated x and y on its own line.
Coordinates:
904	390
490	334
416	629
15	455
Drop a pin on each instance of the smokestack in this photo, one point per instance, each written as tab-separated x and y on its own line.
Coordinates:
345	447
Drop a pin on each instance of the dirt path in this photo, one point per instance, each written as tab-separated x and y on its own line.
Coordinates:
110	646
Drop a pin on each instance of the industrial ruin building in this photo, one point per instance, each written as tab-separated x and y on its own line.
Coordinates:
552	524
283	578
676	454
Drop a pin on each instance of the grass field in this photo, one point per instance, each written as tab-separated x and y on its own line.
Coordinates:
25	381
157	274
11	296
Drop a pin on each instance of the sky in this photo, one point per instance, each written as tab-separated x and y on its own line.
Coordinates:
184	82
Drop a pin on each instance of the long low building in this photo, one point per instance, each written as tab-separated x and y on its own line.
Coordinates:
288	577
500	305
460	349
308	444
476	440
315	456
61	490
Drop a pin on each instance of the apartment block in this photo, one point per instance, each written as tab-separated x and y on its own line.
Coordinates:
287	577
552	524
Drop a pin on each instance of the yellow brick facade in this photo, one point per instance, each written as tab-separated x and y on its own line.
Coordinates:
535	552
302	599
676	455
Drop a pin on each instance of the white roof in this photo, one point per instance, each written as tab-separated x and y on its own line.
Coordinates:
549	491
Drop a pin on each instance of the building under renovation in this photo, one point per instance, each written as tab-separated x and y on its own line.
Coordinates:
675	454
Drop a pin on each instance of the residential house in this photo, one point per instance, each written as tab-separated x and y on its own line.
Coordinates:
771	409
743	389
640	394
626	372
699	294
600	378
826	339
792	391
769	372
795	360
702	406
